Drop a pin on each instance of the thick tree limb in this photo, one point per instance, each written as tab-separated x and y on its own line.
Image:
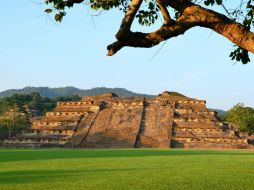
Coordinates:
191	15
164	12
147	40
115	47
124	30
179	5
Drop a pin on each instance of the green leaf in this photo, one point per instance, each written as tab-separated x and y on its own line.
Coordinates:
48	11
219	2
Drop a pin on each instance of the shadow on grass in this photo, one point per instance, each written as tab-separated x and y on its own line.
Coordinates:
37	176
9	155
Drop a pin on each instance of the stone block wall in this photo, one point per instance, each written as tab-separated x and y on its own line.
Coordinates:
195	127
158	118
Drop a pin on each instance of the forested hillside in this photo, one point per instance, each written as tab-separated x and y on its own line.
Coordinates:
67	91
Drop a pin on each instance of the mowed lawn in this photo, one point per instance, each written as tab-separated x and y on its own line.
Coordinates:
130	169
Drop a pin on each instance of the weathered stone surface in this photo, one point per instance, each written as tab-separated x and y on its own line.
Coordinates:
116	126
157	121
169	120
83	129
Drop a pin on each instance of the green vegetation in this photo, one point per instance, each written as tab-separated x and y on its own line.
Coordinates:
17	110
241	116
69	91
33	101
14	123
139	169
176	94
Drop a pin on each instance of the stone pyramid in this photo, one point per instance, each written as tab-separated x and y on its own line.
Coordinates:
169	120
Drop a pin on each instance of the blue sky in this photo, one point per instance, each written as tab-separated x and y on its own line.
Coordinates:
36	52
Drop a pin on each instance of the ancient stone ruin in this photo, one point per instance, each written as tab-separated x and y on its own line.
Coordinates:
169	120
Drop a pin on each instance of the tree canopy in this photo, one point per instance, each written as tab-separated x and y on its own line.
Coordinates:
14	121
236	24
241	116
17	110
22	101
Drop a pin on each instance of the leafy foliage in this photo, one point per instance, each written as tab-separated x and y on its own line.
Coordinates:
14	123
242	116
240	54
33	100
15	111
13	117
212	2
149	16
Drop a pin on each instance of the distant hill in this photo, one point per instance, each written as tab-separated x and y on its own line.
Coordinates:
66	91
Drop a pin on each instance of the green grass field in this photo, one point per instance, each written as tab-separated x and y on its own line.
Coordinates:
131	169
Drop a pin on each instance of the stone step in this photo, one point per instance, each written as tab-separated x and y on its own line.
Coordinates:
35	141
198	129
215	135
195	120
57	113
207	139
211	145
198	123
83	129
191	111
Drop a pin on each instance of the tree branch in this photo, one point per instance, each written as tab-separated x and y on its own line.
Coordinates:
124	30
147	40
191	15
164	11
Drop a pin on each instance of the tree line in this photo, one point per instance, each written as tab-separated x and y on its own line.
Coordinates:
16	111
